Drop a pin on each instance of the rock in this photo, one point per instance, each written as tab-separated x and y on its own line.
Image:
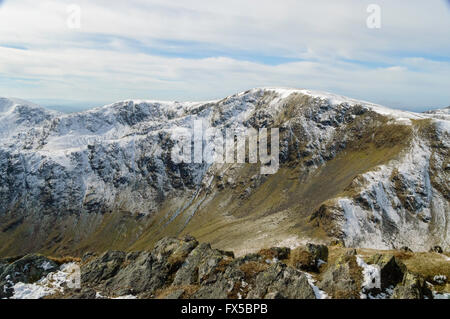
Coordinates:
337	243
440	279
412	287
304	260
437	249
88	256
177	294
102	268
199	265
318	252
343	279
311	258
28	269
392	270
281	282
86	293
188	238
2	267
117	274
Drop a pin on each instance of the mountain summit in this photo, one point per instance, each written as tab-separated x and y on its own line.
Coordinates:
350	170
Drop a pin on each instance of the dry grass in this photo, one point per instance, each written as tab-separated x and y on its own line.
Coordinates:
65	260
301	259
267	253
252	268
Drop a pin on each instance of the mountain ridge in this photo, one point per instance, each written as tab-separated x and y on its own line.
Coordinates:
103	178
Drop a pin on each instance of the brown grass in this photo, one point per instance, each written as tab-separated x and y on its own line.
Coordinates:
65	260
252	269
300	258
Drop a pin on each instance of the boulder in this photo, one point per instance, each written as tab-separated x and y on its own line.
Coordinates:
281	282
304	260
100	269
230	278
199	265
343	279
437	249
392	270
319	252
413	286
406	249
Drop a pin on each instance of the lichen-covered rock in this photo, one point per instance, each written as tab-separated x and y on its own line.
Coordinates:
413	286
103	268
304	260
342	280
319	252
199	265
281	282
28	269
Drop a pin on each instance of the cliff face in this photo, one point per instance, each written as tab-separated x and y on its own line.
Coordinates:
105	178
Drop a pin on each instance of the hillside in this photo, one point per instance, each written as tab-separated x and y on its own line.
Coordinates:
350	171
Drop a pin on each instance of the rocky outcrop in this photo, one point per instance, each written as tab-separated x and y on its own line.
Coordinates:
281	282
392	270
28	269
412	287
342	280
117	273
184	269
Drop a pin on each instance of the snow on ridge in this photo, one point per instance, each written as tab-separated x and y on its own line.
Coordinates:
7	105
335	99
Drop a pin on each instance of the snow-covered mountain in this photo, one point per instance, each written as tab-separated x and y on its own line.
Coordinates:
350	170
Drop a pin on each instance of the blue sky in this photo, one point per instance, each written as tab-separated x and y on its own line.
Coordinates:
202	50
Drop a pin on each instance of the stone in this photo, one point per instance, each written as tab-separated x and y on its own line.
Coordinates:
392	270
281	282
413	286
102	268
343	279
437	249
318	251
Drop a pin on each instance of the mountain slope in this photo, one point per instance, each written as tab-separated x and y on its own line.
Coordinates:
350	170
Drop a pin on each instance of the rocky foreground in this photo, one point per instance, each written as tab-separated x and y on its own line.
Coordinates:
185	268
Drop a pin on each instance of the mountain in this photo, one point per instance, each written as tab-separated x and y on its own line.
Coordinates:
350	171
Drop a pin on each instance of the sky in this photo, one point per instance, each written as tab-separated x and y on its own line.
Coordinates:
198	50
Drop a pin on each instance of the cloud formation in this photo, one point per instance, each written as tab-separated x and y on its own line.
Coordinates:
203	49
